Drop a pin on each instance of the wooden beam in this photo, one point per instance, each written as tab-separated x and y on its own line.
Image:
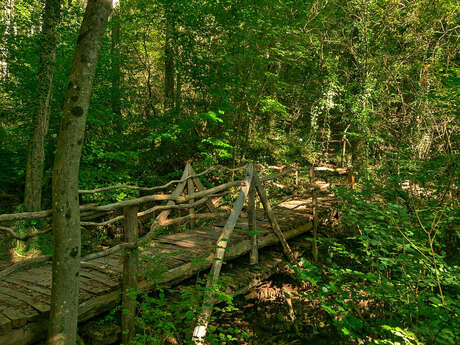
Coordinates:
314	205
272	218
254	254
178	191
208	302
200	188
190	190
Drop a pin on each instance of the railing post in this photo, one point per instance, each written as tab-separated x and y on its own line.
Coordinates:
129	276
315	215
191	190
254	254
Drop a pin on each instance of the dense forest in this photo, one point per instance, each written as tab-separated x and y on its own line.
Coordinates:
95	93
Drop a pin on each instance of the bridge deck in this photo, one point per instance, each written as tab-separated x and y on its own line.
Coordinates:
25	295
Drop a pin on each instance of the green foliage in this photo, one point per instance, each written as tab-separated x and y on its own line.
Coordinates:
394	278
168	314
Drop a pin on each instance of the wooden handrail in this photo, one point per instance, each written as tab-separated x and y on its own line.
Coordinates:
124	203
202	195
149	189
145	189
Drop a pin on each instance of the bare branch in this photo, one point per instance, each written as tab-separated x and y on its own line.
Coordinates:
12	234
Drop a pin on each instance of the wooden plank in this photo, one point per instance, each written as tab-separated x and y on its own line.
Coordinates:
92	287
5	324
5	302
187	244
167	248
40	276
16	318
23	311
40	306
31	283
99	277
29	286
111	263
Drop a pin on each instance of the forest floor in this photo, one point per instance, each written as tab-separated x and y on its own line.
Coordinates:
268	317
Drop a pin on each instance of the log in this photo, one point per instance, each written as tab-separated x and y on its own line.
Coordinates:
148	211
129	284
124	203
107	222
272	218
24	264
146	189
35	215
12	234
200	188
208	302
178	191
165	197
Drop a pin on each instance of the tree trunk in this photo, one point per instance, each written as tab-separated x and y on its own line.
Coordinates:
36	155
169	62
66	212
116	76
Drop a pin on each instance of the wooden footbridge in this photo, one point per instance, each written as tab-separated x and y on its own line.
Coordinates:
215	233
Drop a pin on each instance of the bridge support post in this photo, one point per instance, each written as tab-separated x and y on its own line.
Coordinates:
314	203
199	186
209	298
190	190
161	218
254	254
129	276
272	218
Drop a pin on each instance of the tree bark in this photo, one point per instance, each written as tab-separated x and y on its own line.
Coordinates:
116	74
36	155
169	62
66	212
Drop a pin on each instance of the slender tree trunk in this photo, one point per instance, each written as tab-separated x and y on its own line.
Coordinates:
169	62
4	41
116	76
66	214
36	155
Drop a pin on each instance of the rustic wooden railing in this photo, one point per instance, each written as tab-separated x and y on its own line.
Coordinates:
195	195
